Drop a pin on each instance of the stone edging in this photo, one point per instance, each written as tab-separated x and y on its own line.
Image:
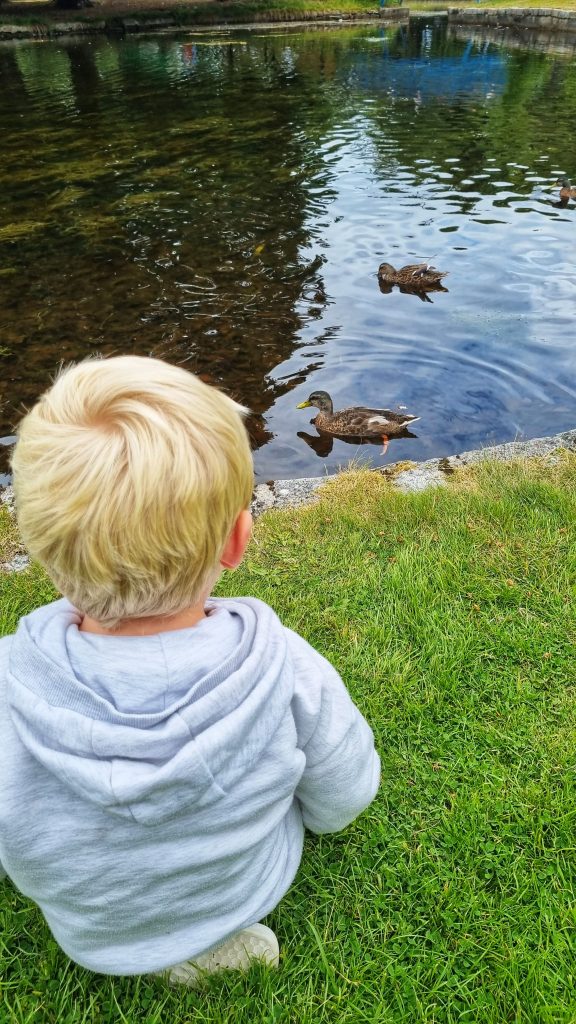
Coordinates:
523	19
411	476
546	19
408	477
132	24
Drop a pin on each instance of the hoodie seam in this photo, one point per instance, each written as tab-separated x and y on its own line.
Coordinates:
166	669
199	754
117	802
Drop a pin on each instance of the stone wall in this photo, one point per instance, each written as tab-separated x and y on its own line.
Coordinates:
523	19
169	23
552	41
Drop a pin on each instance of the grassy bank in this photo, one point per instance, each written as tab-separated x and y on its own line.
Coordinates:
450	615
191	13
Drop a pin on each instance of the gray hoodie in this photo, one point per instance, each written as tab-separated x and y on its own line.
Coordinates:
154	790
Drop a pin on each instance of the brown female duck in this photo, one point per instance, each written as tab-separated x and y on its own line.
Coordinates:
414	275
357	421
567	190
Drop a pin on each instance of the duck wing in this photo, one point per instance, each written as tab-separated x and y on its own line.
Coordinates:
413	269
381	417
420	273
364	422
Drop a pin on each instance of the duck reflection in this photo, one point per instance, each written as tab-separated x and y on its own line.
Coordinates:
323	444
412	289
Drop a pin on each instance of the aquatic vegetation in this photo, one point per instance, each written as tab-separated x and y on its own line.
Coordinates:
66	197
21	229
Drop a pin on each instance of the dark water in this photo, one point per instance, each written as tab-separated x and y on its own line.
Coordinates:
224	203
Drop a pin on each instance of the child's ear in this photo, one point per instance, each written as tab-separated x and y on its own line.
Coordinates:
237	541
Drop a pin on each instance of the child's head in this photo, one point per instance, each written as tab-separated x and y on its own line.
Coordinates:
129	475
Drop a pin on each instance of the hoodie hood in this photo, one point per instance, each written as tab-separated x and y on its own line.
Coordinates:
159	733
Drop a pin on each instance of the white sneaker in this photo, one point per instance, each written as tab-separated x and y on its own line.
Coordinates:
235	954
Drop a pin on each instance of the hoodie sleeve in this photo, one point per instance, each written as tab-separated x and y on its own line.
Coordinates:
4	649
342	772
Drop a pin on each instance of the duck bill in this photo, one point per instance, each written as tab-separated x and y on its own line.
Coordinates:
303	405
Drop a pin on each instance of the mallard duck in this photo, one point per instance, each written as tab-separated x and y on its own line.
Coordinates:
357	421
414	275
567	190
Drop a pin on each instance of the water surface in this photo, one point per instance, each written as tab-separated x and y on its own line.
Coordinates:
224	202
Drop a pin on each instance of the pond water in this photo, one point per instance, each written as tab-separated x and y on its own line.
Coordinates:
224	202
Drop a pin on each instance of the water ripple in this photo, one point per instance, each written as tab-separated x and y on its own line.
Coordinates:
225	202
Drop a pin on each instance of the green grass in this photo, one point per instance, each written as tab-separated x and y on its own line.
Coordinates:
234	12
245	11
565	5
238	12
450	615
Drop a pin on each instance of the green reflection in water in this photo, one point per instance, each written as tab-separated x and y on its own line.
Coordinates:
172	197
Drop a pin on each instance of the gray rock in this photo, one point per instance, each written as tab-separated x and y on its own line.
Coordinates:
285	493
7	498
21	560
538	446
409	481
263	499
288	493
16	564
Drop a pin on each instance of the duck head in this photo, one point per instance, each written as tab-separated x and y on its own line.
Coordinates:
320	399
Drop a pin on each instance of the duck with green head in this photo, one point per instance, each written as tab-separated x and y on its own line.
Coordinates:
357	421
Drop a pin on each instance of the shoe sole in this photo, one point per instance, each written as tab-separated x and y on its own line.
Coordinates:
234	954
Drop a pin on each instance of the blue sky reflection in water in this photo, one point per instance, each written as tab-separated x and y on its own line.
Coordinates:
224	203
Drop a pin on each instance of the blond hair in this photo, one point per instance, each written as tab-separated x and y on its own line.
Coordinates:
129	474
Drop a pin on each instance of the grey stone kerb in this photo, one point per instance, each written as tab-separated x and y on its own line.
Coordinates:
408	477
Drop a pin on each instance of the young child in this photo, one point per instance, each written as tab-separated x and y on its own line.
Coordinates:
161	751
